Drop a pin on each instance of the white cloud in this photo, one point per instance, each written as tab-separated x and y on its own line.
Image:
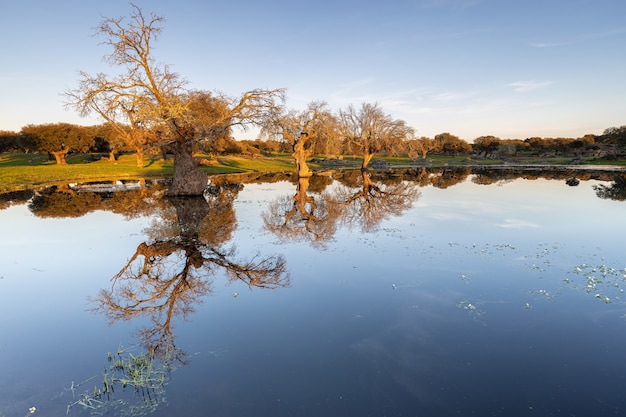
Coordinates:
545	44
460	4
530	85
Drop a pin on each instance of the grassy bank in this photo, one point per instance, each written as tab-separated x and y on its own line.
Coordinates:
22	171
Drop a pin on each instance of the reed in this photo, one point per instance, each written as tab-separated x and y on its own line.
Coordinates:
140	374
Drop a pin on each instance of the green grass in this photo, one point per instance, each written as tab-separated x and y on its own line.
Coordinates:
22	171
240	164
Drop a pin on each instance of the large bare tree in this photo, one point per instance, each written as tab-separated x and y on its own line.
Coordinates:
151	106
370	130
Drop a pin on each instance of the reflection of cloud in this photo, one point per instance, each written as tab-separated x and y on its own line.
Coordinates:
525	86
517	224
443	216
400	358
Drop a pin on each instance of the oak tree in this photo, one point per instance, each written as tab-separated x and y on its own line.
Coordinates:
300	129
59	139
150	105
370	130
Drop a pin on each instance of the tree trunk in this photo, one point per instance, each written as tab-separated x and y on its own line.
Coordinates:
188	179
112	156
300	154
139	151
367	157
60	157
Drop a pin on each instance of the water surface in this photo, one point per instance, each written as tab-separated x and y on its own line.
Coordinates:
340	295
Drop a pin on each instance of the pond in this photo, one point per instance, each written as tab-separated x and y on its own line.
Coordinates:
417	292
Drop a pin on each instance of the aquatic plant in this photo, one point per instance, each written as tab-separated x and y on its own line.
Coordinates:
132	385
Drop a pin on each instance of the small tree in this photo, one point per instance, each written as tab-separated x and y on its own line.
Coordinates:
614	136
9	141
371	130
59	139
451	144
423	145
299	129
113	141
486	145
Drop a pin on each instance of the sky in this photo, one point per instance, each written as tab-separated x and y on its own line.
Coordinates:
508	68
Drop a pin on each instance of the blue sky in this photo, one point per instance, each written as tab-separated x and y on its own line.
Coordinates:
509	68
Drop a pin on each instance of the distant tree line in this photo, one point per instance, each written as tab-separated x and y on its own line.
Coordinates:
331	137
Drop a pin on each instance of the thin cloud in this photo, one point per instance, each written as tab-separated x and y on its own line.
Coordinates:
581	38
546	44
530	85
459	4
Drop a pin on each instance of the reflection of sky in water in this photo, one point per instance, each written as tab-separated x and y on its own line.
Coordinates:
489	300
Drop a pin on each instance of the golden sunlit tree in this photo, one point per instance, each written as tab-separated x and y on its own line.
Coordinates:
370	130
149	104
300	129
59	139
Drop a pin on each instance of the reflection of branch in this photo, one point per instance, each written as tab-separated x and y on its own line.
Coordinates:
167	277
303	217
268	273
373	203
615	191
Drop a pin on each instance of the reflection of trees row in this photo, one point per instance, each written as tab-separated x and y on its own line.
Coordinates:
316	217
71	203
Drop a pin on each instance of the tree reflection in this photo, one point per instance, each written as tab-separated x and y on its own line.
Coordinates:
614	191
15	198
374	202
304	216
166	277
62	201
356	200
128	199
449	177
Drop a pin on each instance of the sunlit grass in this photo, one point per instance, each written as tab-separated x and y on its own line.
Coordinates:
20	171
256	164
23	171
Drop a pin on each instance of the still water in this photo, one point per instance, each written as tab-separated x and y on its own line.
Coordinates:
432	293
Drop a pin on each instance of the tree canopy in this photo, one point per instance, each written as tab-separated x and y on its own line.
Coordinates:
150	105
59	139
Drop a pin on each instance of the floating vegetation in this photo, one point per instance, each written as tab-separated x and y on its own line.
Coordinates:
132	385
543	294
397	287
473	308
464	278
604	282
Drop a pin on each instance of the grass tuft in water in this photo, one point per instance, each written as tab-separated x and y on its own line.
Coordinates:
142	379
